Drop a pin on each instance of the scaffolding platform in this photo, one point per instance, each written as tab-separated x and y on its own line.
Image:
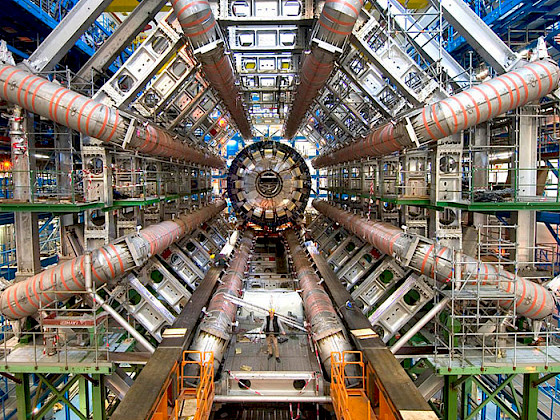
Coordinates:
518	360
31	359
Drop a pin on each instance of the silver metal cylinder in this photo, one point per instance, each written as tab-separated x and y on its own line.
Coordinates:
326	326
215	329
108	262
532	300
199	25
451	115
93	119
335	23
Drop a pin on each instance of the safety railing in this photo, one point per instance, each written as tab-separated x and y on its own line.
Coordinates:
348	368
188	392
62	340
196	384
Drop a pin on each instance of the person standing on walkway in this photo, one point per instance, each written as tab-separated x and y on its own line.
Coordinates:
272	326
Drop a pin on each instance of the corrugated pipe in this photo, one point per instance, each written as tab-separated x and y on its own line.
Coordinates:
215	330
83	114
336	22
110	261
451	115
326	326
199	25
435	261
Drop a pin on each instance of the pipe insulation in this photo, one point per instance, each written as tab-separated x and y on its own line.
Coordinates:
326	326
215	329
110	261
427	257
81	113
451	115
335	23
199	26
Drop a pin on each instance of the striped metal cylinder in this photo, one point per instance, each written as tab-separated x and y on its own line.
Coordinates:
110	261
74	110
531	299
449	116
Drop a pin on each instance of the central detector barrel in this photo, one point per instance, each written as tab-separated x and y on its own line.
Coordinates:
269	184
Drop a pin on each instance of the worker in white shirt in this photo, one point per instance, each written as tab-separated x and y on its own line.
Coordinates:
272	326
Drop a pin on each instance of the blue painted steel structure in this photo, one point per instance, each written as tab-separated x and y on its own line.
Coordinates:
23	20
515	21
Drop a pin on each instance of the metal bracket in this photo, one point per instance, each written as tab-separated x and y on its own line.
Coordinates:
411	133
208	47
410	252
139	260
326	46
129	132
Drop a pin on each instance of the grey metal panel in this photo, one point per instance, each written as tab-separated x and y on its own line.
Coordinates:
121	38
65	34
479	35
147	388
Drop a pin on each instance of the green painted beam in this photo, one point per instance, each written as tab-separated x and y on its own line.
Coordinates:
98	398
83	395
530	397
492	397
503	206
60	208
23	397
104	368
58	396
450	398
9	207
440	205
504	369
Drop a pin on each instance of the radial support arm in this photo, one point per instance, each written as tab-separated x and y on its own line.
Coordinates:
427	257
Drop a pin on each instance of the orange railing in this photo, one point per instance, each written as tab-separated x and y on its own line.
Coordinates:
170	391
196	385
348	386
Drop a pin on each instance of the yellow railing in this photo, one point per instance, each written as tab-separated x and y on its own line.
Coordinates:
196	385
348	368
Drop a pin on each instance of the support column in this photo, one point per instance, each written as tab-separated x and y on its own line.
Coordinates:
466	391
527	182
445	226
84	396
26	224
530	397
23	396
480	165
450	398
98	394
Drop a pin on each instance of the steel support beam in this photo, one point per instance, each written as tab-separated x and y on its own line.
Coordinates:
390	377
146	390
65	34
23	396
26	224
121	38
98	394
478	34
450	398
530	397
